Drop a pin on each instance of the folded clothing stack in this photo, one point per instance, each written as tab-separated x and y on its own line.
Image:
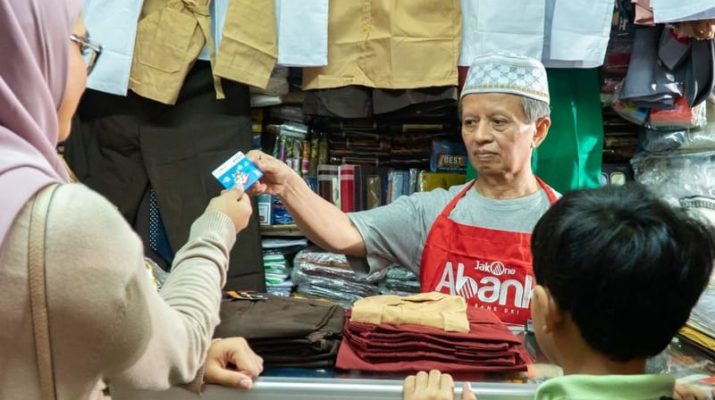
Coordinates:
489	346
399	281
277	274
286	332
700	328
327	275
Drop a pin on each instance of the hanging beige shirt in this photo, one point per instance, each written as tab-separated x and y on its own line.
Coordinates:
433	309
390	44
172	33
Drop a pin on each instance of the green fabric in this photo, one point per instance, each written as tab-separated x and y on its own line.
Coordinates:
570	157
592	387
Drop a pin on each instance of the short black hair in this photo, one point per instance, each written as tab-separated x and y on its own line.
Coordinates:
625	265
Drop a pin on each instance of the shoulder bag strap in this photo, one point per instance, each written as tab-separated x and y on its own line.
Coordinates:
38	290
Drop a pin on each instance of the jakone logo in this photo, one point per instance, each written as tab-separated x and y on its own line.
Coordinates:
495	268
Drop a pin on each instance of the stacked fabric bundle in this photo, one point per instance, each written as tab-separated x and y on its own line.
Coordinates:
277	256
286	332
400	281
665	90
277	274
424	332
700	328
328	275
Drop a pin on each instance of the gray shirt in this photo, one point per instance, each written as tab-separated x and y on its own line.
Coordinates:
396	233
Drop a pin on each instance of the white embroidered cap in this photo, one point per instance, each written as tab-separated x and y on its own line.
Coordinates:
500	73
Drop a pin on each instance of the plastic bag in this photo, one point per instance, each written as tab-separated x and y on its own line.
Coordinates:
700	139
676	175
328	275
686	140
680	116
157	275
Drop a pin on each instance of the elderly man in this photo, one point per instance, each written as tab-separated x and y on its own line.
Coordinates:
472	240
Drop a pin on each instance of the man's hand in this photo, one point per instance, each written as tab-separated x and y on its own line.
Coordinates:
231	362
276	174
433	386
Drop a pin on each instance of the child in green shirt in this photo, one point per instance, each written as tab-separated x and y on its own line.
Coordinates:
617	273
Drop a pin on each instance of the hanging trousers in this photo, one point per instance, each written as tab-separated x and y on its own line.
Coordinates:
123	146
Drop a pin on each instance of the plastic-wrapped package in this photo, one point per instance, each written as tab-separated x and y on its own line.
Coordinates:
158	276
317	256
306	268
400	281
328	275
655	141
681	115
276	268
695	139
399	273
700	139
630	112
677	175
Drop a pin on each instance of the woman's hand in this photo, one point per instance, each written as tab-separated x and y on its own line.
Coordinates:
231	362
234	204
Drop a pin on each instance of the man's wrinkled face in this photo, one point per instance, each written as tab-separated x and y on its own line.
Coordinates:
496	133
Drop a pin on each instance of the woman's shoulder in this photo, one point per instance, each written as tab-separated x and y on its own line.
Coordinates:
79	216
76	202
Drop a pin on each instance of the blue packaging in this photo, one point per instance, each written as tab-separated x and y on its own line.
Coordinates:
280	214
448	156
236	169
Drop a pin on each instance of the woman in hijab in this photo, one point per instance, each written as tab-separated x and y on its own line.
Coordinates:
105	319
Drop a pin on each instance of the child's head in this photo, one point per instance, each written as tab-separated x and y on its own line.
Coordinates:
622	266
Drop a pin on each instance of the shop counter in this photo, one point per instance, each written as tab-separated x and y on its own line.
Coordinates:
286	388
680	359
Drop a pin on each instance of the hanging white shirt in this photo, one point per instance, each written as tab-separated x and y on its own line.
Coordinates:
499	26
682	10
302	32
561	33
577	32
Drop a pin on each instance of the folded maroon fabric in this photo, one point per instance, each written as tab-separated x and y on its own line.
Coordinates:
479	336
347	359
488	347
508	359
416	343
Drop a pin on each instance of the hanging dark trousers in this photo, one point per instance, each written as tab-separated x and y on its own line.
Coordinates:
124	146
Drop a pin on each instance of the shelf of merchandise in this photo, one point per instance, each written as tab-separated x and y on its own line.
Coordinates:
281	230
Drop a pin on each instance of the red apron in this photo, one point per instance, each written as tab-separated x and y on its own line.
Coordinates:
490	268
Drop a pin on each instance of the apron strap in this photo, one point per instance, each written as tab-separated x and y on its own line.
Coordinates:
549	192
453	203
